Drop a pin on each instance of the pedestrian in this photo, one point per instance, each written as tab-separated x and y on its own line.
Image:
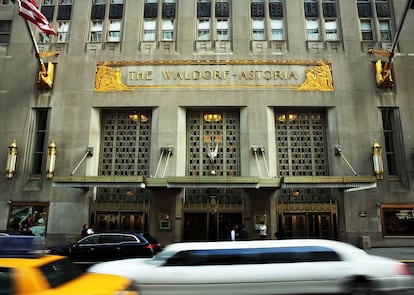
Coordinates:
234	233
279	235
262	230
90	230
84	232
243	235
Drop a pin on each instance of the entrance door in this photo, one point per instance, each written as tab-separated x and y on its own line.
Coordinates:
107	221
195	226
209	227
309	225
112	221
133	221
294	225
320	225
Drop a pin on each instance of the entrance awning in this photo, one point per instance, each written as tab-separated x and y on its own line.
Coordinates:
222	182
98	181
347	183
167	182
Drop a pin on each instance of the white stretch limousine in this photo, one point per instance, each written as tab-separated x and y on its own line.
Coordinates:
305	266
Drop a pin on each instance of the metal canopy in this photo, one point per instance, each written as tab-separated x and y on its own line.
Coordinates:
98	181
348	183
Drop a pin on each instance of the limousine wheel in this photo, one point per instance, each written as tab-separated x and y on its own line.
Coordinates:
360	287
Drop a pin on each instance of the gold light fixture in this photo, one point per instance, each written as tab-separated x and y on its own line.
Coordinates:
51	160
290	117
377	160
212	117
134	117
11	160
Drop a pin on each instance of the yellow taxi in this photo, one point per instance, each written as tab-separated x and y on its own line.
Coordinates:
43	274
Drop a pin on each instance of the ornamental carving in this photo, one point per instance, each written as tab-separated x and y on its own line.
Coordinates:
109	79
318	78
283	74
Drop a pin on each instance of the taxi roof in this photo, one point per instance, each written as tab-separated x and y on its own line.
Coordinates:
14	262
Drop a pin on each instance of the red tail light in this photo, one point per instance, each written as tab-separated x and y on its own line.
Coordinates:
402	269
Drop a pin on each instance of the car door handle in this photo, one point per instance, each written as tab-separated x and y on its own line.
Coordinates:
118	248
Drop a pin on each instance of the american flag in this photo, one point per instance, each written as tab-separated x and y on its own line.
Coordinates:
28	9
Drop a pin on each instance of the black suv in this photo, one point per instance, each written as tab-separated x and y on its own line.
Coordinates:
109	246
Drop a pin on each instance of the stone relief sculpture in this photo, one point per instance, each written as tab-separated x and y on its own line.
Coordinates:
318	78
109	79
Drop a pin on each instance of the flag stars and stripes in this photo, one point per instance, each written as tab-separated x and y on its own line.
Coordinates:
28	10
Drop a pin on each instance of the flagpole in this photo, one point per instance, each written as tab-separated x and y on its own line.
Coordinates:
397	35
32	36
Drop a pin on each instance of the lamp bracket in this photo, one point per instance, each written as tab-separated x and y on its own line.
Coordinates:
338	150
166	150
88	153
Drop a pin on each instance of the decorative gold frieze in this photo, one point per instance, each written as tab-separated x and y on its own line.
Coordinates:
306	207
296	75
109	79
318	78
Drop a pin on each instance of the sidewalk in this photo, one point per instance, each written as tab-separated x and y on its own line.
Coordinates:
405	254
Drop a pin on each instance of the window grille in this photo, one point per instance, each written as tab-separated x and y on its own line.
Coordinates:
257	9
301	144
125	143
203	9
275	9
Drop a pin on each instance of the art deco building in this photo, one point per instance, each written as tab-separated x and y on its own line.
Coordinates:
185	117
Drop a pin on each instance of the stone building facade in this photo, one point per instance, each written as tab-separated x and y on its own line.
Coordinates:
183	118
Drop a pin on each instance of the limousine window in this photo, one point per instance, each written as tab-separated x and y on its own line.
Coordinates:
252	256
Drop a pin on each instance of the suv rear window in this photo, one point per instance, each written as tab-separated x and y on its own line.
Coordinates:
149	238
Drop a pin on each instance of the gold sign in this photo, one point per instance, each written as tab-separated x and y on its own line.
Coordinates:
296	75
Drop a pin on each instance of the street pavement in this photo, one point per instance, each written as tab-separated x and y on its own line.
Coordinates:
405	254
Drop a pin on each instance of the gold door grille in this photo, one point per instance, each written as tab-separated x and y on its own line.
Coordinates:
213	150
125	144
125	149
301	143
213	144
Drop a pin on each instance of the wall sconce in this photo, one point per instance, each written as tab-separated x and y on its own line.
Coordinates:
51	159
377	160
11	160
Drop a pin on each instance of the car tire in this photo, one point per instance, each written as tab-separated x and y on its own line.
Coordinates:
360	287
